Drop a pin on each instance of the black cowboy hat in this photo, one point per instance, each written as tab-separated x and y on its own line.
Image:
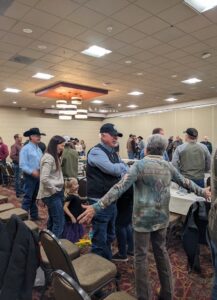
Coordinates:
33	131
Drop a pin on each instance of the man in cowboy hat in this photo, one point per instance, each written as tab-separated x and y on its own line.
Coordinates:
30	157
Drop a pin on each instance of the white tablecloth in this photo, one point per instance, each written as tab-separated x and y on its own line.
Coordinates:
180	203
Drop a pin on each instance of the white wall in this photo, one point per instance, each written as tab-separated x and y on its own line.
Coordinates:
17	121
173	123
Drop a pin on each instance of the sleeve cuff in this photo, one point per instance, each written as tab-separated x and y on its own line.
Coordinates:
97	207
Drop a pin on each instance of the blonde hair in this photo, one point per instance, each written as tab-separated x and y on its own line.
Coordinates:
69	185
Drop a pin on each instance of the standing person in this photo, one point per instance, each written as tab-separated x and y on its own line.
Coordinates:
14	155
83	145
104	169
130	152
141	147
69	160
207	144
170	148
78	147
192	159
51	184
178	141
3	156
73	231
151	178
161	132
30	156
212	227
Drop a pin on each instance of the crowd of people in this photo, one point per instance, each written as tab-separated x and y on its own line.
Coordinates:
129	203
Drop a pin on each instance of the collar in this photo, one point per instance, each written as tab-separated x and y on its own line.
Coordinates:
110	149
154	157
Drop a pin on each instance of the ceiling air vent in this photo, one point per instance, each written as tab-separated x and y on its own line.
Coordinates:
177	94
22	59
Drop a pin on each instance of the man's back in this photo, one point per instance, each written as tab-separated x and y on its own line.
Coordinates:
192	160
70	163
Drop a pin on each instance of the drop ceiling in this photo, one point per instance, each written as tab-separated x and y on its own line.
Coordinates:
162	40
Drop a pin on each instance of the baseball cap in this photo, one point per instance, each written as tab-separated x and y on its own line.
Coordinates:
110	128
192	132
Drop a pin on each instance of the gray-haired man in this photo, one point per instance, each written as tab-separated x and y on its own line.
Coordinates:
151	177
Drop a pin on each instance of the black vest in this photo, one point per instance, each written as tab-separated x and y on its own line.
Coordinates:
98	182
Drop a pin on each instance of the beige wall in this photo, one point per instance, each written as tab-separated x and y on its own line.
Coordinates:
17	121
173	122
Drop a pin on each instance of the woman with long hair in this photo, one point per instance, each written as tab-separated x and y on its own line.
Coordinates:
52	183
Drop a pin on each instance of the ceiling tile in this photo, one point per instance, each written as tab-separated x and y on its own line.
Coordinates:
28	2
7	48
130	35
40	64
16	10
36	31
52	58
168	34
114	56
194	24
58	8
131	15
212	42
31	53
68	28
16	39
175	54
129	50
112	44
75	45
86	17
144	55
157	60
107	7
211	14
151	25
40	18
2	33
162	49
6	23
91	37
183	41
64	52
177	13
110	23
147	43
13	65
54	38
206	33
156	6
195	48
4	55
36	46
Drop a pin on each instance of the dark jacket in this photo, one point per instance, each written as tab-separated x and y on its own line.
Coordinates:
194	232
19	257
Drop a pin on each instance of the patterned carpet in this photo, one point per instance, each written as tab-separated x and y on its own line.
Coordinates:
187	286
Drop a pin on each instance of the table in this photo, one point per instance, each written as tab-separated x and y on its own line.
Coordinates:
180	203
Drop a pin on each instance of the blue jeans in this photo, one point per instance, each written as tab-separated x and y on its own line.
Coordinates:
103	230
131	155
31	186
213	248
125	239
17	174
56	218
199	182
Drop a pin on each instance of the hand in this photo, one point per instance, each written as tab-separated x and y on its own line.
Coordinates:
87	215
207	193
73	220
35	173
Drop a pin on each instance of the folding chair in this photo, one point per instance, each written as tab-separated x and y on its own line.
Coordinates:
65	285
91	271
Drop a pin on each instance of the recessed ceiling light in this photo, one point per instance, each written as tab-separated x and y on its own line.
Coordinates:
205	55
119	105
14	102
27	30
109	29
11	90
174	76
44	76
212	87
192	80
64	117
135	93
42	47
128	61
201	5
97	101
132	106
96	51
139	74
171	99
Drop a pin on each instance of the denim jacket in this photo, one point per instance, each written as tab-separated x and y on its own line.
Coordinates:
151	178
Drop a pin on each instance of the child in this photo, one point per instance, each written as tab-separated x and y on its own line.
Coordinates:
73	231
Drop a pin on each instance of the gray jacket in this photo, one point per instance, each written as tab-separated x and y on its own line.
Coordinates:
51	179
213	210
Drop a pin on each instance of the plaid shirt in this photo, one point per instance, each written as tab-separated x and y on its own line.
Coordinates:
151	178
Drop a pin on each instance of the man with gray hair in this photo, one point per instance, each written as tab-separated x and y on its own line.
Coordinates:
151	178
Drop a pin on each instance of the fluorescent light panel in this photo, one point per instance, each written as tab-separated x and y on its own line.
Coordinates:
201	5
44	76
192	80
66	118
132	106
97	101
96	51
81	116
12	90
171	99
135	93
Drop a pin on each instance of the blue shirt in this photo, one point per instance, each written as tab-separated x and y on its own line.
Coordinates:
98	158
30	157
